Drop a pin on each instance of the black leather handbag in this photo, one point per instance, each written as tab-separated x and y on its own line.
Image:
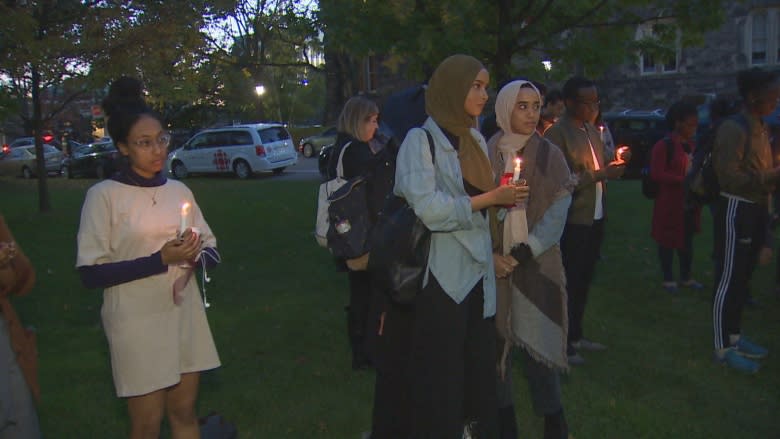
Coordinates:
400	244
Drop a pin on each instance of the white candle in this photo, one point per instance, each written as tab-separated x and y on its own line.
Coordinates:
518	169
601	131
185	210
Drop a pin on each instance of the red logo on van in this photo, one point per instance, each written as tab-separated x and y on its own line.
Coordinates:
221	160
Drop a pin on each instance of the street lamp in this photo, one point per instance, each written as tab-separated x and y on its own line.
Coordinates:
260	89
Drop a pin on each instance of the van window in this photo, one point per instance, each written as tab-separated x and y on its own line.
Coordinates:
273	134
202	141
239	138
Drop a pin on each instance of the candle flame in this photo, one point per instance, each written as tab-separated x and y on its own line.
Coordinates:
518	161
185	208
601	127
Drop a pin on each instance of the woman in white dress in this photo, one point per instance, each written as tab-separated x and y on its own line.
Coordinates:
130	243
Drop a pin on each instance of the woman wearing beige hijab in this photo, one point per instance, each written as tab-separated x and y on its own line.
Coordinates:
531	301
452	368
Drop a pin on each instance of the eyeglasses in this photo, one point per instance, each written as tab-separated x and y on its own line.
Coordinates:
162	141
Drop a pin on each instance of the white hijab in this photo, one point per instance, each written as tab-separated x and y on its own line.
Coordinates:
515	222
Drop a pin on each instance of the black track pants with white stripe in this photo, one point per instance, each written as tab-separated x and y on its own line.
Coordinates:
740	231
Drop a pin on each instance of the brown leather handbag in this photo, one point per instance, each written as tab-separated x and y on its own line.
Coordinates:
17	278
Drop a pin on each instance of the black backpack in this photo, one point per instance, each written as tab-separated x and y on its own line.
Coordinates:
650	186
701	182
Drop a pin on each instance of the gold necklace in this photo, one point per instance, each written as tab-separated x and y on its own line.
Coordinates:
154	195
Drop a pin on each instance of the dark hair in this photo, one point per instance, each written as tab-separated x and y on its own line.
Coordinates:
723	106
123	106
754	82
679	111
573	86
541	87
553	96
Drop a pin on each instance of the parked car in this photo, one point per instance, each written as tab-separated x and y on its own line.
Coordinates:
22	141
92	160
639	130
239	149
311	146
20	161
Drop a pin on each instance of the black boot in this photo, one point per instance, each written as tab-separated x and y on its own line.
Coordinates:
507	423
360	360
555	426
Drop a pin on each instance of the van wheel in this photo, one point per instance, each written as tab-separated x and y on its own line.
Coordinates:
278	171
27	172
242	169
179	170
308	150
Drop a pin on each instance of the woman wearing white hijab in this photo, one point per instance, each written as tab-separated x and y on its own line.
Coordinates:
531	294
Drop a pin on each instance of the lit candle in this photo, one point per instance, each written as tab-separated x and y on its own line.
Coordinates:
601	133
622	152
518	170
185	210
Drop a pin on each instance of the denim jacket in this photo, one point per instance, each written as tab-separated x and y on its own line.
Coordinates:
461	253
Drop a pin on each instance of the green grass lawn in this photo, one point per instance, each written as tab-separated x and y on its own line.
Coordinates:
278	320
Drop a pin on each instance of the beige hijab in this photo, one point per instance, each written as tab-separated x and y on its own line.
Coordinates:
509	145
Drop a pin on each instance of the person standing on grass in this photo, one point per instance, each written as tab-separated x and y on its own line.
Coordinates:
552	109
366	153
531	286
130	244
676	218
747	176
19	388
452	358
584	231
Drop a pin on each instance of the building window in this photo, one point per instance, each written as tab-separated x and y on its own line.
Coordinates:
762	36
649	64
758	38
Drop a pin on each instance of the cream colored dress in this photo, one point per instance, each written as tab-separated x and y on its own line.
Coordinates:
152	340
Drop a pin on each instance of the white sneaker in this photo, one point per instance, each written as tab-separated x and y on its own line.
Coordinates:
588	345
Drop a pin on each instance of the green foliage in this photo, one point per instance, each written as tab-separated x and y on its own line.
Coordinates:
513	37
278	321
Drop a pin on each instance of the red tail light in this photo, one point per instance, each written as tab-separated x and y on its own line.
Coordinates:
47	138
6	148
259	150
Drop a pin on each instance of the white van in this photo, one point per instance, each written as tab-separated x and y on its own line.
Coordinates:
239	149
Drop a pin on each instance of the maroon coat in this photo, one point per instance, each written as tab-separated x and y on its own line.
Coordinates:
668	227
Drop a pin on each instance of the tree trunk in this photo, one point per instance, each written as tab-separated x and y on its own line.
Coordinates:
339	82
502	61
40	159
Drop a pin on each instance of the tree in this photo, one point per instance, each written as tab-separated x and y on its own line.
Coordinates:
78	46
275	43
511	37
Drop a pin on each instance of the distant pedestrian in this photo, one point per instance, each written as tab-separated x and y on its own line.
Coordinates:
139	238
552	109
676	218
372	156
747	175
581	242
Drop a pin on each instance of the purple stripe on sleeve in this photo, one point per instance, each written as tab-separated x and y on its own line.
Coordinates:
210	255
115	273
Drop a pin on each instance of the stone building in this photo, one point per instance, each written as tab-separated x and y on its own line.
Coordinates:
749	37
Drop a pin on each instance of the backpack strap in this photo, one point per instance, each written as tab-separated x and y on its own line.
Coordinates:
339	164
430	145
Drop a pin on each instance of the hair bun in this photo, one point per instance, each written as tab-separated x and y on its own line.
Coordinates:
124	93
